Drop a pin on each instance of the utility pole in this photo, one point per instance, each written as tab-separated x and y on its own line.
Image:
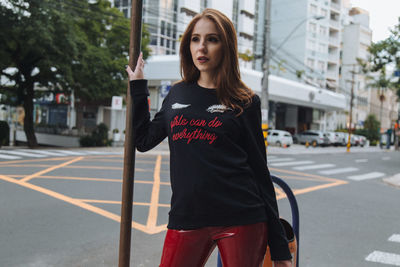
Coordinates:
129	152
353	72
265	65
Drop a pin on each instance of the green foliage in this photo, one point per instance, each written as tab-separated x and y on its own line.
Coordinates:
246	56
385	53
99	137
4	133
371	127
62	45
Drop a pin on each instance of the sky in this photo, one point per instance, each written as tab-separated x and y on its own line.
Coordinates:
383	15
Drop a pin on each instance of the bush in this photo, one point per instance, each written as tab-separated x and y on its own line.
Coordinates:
4	133
99	137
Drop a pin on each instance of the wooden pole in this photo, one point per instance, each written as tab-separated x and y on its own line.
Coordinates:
129	152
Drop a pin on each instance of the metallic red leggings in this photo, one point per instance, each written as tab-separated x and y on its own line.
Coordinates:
238	245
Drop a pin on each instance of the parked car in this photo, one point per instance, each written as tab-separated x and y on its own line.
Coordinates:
314	138
361	140
335	139
352	139
279	138
342	138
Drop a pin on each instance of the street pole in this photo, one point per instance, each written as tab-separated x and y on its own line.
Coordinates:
351	108
265	65
129	149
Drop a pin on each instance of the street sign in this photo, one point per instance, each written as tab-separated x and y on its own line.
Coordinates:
116	102
164	89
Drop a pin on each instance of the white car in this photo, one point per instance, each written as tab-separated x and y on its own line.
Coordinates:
279	138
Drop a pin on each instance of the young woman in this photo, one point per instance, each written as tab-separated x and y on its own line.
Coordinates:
222	194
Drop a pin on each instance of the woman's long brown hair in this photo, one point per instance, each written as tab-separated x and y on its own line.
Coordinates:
231	91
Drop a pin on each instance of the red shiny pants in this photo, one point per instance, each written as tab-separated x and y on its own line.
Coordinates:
239	246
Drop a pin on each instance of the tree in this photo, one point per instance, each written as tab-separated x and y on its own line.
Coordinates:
371	127
385	54
382	83
60	45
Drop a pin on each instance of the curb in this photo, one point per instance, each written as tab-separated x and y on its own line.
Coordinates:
394	180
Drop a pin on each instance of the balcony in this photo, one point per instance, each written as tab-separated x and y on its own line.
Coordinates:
331	74
335	6
334	41
334	24
333	57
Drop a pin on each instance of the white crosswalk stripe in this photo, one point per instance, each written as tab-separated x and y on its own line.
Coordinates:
395	238
67	152
280	159
361	160
338	171
280	164
314	167
2	156
24	154
370	175
43	152
384	258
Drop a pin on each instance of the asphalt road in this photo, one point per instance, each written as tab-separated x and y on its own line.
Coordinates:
63	210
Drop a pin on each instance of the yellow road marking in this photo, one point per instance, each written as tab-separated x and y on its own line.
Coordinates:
74	167
119	180
36	160
83	205
333	182
305	174
153	210
27	178
119	202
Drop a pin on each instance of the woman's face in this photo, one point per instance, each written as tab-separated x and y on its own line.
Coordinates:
206	46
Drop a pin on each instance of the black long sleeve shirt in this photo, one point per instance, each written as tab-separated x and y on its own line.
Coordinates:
218	168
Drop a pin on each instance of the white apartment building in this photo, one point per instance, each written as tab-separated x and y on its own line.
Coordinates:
356	38
294	106
306	40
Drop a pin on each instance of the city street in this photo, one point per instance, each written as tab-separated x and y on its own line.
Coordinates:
61	207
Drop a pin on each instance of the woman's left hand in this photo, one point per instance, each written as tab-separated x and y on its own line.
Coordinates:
287	263
138	73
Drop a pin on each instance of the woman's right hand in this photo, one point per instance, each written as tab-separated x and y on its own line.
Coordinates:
138	73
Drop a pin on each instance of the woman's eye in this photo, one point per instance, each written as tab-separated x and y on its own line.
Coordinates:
195	39
213	39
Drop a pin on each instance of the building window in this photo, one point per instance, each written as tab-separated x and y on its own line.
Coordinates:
312	27
169	29
168	43
161	41
310	63
311	44
322	48
324	12
321	65
163	27
322	30
125	3
313	9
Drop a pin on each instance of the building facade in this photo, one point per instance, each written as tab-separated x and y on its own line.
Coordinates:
306	41
316	109
356	38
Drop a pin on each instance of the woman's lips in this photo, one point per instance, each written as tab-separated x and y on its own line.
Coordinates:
202	59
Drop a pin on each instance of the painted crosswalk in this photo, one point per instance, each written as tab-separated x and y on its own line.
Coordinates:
338	170
16	154
351	173
383	257
366	176
314	167
291	163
